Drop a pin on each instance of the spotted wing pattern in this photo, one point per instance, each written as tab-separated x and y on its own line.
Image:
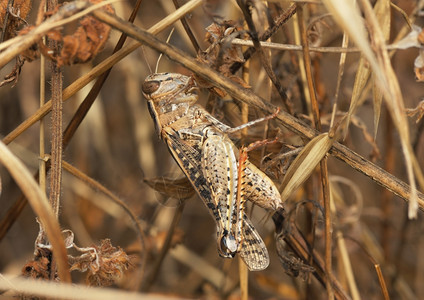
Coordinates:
188	158
219	165
253	250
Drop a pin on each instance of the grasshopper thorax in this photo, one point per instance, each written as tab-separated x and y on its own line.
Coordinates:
169	97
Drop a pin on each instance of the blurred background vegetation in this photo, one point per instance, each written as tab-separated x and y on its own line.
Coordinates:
116	145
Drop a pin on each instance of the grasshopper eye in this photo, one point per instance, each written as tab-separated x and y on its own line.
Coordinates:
149	87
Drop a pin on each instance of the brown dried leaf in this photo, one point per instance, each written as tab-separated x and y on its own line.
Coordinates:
305	163
221	54
105	264
37	268
84	44
40	266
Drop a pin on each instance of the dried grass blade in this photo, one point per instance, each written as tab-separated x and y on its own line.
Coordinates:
382	10
361	79
348	17
41	207
53	290
347	266
305	163
377	99
383	14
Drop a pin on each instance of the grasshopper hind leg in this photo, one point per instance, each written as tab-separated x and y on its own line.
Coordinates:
260	189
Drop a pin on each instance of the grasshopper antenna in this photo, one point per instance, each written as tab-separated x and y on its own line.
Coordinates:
143	50
160	56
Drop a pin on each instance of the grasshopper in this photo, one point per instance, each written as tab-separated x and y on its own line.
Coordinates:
200	145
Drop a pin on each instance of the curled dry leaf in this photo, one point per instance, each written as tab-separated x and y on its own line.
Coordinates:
84	44
305	163
37	268
221	53
105	264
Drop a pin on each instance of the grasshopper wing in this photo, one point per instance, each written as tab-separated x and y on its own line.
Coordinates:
253	250
188	158
219	166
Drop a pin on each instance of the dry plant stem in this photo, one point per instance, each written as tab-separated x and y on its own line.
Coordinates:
345	44
42	164
12	214
188	29
382	282
323	163
243	4
281	20
148	282
291	47
56	132
56	139
41	207
52	290
243	271
346	266
244	282
340	151
245	106
78	84
298	244
386	198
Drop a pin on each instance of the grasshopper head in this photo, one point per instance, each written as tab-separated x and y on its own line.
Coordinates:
166	93
167	88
